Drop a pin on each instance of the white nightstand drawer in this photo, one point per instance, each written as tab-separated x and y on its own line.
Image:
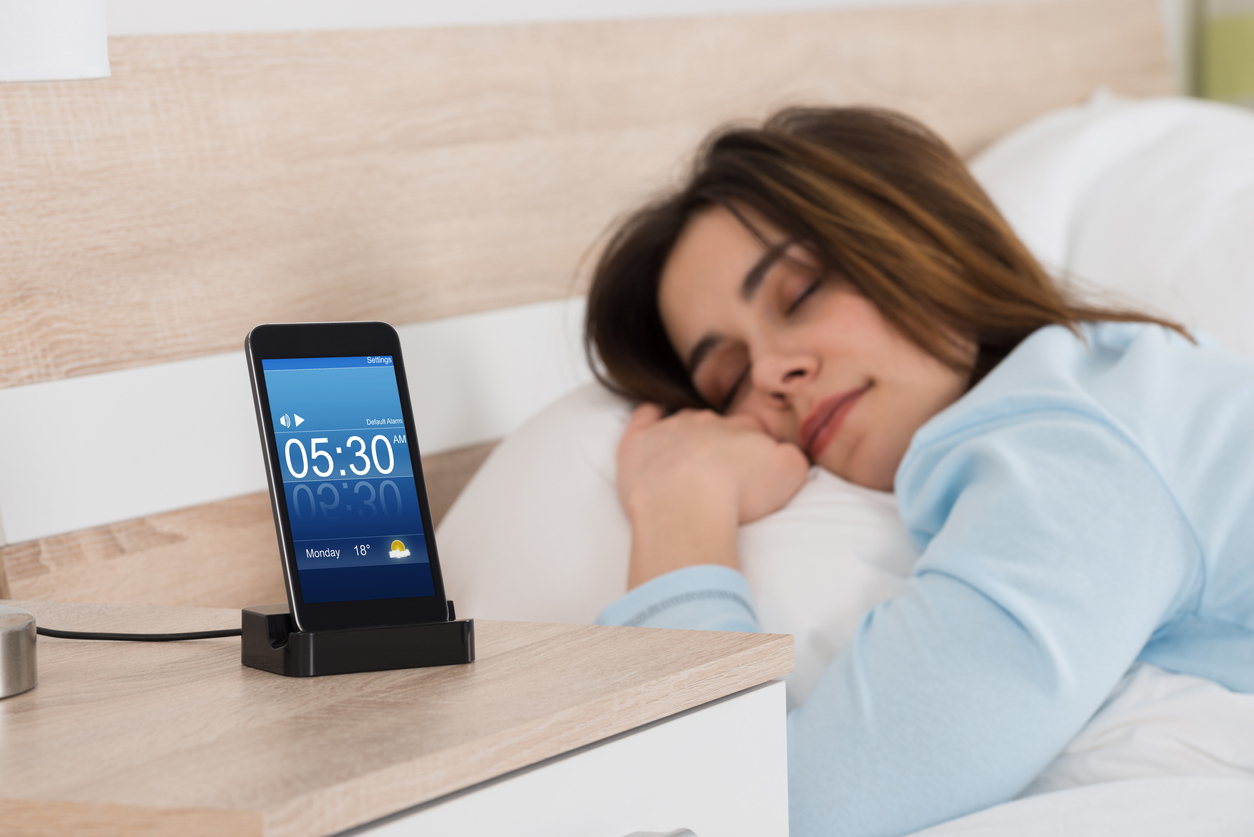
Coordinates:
720	770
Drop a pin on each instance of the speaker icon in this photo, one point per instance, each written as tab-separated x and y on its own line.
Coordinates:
285	421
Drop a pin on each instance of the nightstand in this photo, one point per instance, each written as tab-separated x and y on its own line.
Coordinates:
554	730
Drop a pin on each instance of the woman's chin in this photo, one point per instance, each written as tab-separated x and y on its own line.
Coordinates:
866	471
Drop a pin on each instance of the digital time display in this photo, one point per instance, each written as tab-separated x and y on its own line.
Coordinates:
348	480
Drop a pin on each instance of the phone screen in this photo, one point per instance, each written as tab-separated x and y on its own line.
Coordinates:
348	481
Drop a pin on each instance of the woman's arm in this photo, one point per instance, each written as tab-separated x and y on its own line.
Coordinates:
1053	553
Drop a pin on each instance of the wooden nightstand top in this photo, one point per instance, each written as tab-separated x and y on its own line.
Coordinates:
180	738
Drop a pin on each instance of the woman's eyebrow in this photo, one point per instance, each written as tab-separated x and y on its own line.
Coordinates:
753	279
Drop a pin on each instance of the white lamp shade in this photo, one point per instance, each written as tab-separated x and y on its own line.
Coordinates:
50	40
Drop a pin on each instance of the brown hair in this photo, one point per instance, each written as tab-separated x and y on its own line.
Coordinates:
879	200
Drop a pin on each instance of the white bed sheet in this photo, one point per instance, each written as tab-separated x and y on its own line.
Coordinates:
1196	806
1166	754
1157	724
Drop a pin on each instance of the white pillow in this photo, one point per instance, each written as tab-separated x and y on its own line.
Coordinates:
1151	201
539	535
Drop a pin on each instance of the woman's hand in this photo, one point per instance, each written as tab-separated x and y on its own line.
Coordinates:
690	480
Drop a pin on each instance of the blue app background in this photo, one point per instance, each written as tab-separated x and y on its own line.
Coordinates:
347	478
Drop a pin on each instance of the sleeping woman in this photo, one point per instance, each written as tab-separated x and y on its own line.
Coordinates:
834	289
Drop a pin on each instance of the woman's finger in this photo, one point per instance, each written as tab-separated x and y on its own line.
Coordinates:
745	421
643	416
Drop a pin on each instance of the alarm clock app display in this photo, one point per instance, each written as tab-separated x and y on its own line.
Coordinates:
348	480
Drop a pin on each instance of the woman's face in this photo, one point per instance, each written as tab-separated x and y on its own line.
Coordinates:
808	357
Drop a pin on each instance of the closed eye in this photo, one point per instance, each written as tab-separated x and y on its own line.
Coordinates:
730	398
805	294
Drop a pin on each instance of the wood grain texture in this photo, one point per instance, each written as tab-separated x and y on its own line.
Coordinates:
222	554
219	554
218	181
137	730
29	818
446	474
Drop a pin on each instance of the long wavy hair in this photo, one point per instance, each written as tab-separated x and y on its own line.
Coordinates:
880	201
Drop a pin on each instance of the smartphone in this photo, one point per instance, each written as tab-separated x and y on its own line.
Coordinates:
342	460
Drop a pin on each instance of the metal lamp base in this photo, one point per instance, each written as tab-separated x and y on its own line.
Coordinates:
17	651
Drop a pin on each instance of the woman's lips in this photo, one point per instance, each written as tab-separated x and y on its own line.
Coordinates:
824	420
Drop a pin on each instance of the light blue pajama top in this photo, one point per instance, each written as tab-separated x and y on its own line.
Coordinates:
1082	507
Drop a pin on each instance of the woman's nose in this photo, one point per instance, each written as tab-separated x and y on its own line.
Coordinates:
779	374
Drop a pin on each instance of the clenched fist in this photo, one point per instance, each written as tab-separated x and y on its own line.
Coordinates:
688	481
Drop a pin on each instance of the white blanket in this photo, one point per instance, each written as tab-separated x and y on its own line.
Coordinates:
1166	755
1156	724
1161	807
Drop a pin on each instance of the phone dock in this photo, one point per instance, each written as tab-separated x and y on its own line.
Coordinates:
271	643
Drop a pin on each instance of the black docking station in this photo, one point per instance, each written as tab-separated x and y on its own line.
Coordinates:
271	643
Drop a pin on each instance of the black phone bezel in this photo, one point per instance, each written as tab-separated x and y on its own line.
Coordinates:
275	341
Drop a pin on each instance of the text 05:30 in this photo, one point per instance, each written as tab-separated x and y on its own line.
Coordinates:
380	450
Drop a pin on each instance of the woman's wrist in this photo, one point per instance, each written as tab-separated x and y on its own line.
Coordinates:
676	529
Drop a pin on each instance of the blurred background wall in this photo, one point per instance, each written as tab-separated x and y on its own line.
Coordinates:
136	17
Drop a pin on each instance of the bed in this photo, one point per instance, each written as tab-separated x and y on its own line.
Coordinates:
454	182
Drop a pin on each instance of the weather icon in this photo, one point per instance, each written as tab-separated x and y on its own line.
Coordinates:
399	550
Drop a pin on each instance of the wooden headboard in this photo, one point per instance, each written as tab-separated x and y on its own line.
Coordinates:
219	181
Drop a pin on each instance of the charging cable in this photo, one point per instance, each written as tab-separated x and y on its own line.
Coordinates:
53	632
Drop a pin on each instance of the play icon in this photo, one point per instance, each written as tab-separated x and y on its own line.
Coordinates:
298	419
